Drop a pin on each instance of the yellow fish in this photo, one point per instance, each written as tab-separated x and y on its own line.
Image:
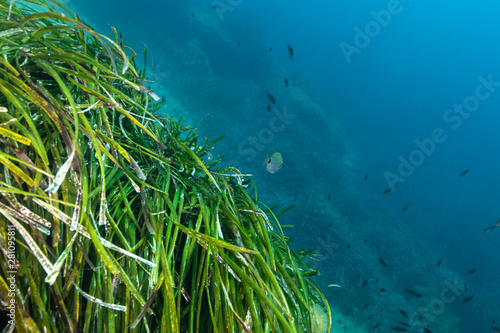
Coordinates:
274	163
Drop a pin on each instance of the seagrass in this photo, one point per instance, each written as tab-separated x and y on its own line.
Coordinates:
123	220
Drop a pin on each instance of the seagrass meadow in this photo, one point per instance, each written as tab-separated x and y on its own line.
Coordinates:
116	219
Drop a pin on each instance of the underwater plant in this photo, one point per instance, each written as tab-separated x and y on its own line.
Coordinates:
114	218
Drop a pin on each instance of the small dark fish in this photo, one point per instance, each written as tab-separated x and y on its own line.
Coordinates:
488	229
192	15
492	321
472	271
465	286
347	312
383	262
464	173
426	330
366	306
120	35
163	98
387	191
290	52
399	329
270	49
366	177
268	107
414	293
365	283
215	6
330	224
348	246
496	329
329	196
468	299
403	313
271	98
439	262
377	280
286	82
382	290
376	325
366	240
405	208
357	276
238	44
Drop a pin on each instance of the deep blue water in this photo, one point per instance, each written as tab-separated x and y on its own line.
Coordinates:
407	92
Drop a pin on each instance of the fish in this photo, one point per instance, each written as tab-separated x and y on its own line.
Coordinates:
238	44
498	223
387	191
472	271
271	98
270	49
488	229
399	329
335	286
403	313
464	173
347	312
405	208
365	283
496	329
348	246
286	82
268	107
366	306
439	262
468	299
366	176
465	286
192	15
492	321
377	280
274	163
290	52
357	276
414	293
382	290
383	262
426	330
329	195
330	224
215	6
163	98
366	240
376	325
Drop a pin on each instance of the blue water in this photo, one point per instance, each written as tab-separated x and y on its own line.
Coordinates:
374	89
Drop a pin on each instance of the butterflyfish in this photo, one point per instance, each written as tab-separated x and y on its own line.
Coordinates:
274	163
